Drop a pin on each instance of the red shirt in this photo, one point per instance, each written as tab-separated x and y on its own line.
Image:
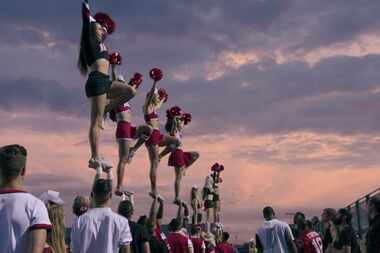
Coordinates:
178	242
312	242
198	244
224	247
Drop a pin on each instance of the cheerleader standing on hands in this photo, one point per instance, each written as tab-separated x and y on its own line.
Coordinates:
176	120
154	100
93	58
125	132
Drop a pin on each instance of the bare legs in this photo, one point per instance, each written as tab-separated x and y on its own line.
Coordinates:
98	104
123	157
153	158
179	173
119	93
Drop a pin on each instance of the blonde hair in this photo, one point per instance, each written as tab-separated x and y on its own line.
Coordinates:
56	238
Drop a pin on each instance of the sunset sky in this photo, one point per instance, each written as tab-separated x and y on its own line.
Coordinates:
284	93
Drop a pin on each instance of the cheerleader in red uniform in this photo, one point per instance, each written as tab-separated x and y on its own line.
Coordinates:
94	58
180	160
126	133
154	100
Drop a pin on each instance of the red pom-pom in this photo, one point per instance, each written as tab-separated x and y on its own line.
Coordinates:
136	80
156	74
106	21
163	95
115	58
215	167
186	117
175	111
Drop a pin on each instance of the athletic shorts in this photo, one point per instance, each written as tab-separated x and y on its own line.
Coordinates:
125	131
155	138
97	84
178	158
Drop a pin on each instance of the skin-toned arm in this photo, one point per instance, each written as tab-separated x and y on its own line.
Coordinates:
145	247
160	213
113	72
179	213
291	245
148	100
37	240
153	212
125	249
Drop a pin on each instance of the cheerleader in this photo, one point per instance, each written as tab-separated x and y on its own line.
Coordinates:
180	160
94	58
154	100
196	205
125	132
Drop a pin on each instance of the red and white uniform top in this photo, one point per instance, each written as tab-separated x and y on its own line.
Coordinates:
20	212
312	242
179	243
126	107
198	244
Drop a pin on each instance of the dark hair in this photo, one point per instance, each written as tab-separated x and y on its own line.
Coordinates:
330	212
268	211
169	125
225	236
125	208
143	220
375	201
82	59
174	225
12	161
101	190
345	212
80	205
194	229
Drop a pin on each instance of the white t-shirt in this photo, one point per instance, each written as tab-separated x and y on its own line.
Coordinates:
272	236
99	230
20	212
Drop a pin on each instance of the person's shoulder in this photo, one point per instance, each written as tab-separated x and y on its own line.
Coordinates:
119	219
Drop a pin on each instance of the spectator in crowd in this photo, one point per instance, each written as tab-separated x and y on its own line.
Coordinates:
317	225
100	229
81	205
140	237
24	219
224	246
178	242
298	218
274	236
373	235
328	215
308	240
56	235
344	239
209	242
198	243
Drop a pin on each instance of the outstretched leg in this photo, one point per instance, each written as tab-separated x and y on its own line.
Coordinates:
143	133
119	93
170	143
123	156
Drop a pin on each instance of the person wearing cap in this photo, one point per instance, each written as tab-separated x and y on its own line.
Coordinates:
24	219
94	58
224	246
55	242
178	242
100	229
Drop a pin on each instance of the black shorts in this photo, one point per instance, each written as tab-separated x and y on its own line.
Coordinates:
209	204
97	84
216	197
